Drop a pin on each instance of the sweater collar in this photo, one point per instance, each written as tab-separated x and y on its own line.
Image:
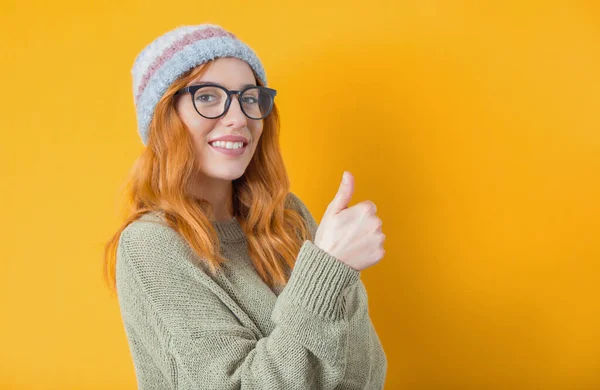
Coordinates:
229	230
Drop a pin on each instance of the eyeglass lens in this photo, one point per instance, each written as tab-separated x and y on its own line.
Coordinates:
210	102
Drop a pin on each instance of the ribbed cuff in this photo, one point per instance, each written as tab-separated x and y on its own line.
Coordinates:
318	281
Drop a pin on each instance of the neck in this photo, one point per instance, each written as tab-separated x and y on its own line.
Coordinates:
219	193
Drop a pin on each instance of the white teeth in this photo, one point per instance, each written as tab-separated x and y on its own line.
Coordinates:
227	145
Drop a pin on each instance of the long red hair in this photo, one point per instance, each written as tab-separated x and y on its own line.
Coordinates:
166	167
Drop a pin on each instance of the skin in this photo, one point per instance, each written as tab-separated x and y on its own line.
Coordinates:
216	170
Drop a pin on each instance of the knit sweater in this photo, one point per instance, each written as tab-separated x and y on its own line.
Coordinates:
188	330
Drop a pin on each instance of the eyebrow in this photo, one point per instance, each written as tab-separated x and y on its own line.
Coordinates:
212	82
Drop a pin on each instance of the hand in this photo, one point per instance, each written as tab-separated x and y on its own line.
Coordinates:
351	234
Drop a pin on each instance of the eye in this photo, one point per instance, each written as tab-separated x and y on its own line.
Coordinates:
250	100
206	98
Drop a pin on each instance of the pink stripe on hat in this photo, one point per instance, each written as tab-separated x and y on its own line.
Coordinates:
175	47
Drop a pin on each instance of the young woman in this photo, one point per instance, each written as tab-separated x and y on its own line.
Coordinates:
224	279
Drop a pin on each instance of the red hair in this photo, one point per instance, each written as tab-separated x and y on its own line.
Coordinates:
168	165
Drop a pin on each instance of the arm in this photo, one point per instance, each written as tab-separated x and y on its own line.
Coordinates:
366	361
172	309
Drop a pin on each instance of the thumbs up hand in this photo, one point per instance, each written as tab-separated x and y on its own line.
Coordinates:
352	235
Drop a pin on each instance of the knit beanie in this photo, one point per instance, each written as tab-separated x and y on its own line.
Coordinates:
170	55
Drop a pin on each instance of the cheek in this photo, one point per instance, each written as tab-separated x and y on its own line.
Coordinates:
198	126
256	131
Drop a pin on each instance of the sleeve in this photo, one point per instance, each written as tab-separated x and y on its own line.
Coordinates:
366	361
172	311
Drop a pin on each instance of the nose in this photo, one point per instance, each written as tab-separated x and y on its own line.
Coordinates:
234	117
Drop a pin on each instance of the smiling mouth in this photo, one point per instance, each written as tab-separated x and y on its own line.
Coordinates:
244	144
237	152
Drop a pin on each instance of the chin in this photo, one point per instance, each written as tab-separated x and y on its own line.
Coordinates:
229	175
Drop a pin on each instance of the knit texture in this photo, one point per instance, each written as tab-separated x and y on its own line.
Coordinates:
170	55
187	330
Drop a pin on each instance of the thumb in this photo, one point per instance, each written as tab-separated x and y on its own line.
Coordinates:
343	196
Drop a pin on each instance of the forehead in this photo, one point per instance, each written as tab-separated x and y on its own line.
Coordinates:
230	72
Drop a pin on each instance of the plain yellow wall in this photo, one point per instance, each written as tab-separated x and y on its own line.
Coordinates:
473	125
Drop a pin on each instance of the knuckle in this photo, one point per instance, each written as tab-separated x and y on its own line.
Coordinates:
365	208
373	206
375	223
369	207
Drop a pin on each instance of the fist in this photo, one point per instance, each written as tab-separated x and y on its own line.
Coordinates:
351	234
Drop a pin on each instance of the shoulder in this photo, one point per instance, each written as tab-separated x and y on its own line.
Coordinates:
150	244
298	205
293	201
150	230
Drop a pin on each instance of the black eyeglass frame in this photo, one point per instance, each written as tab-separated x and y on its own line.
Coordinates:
193	88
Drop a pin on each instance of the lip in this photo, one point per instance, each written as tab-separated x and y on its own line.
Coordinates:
230	152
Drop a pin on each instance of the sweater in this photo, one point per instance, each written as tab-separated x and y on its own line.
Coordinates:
188	330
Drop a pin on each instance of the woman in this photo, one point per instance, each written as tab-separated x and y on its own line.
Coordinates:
224	279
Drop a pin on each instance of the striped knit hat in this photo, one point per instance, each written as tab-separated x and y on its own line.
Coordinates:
175	52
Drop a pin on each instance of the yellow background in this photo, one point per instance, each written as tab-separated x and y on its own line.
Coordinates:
473	125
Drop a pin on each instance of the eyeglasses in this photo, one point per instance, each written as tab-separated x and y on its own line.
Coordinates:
213	100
